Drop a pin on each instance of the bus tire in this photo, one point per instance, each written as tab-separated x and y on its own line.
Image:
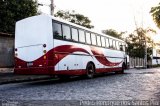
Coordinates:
123	67
90	70
122	70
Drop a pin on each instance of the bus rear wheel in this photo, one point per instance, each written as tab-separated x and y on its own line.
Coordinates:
90	70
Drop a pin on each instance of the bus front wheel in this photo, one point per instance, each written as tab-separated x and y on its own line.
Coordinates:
122	70
90	70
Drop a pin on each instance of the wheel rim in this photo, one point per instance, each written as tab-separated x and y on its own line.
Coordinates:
90	71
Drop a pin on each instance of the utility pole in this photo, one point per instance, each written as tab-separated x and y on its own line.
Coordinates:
52	7
145	51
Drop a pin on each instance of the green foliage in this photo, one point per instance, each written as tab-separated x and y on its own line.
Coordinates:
135	48
14	10
157	65
113	33
74	18
155	12
136	43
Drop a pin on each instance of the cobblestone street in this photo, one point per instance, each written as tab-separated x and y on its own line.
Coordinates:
135	84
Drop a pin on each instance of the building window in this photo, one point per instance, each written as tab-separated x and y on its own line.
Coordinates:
74	34
88	38
93	38
66	32
81	36
57	31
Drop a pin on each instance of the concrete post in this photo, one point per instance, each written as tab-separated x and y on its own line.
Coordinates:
52	7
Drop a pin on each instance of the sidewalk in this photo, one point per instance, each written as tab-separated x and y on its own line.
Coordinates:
7	76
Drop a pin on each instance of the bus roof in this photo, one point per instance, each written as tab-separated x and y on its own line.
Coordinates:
78	26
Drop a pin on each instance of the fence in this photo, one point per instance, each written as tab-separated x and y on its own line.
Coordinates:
138	62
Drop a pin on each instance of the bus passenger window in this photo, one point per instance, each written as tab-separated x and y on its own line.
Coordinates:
57	32
110	43
107	43
66	32
121	46
103	41
117	45
98	40
93	38
124	46
74	34
114	44
88	38
81	36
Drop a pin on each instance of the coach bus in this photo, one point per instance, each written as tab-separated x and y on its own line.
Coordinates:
51	46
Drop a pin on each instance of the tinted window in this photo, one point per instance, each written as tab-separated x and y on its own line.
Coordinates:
103	41
120	46
110	43
66	32
98	40
74	34
114	44
81	36
117	45
123	46
93	38
57	32
88	38
107	42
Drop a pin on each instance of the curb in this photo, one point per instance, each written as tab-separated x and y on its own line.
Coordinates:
29	79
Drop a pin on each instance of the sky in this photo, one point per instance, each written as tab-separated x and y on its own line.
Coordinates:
121	15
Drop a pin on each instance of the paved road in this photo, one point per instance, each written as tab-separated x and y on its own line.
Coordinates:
135	84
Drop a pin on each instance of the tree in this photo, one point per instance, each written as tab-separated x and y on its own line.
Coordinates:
75	18
14	10
155	12
113	33
136	43
135	48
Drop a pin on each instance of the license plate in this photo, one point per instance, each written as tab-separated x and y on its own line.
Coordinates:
29	64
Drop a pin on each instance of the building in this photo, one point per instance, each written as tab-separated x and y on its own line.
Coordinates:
156	54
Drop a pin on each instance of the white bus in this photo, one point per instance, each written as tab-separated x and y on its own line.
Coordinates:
47	45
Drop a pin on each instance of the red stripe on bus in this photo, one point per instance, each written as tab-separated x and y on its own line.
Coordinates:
32	71
45	71
56	54
100	70
101	58
65	50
